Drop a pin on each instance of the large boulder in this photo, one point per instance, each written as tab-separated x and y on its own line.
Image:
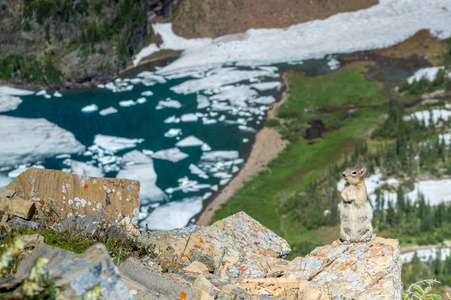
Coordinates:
74	195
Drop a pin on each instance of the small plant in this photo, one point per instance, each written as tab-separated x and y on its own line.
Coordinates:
421	290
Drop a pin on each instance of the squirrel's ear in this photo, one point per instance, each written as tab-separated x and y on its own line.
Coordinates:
356	166
363	170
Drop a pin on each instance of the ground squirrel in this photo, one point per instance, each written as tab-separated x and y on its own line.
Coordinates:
356	212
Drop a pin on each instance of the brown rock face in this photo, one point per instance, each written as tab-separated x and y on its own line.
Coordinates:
77	195
213	18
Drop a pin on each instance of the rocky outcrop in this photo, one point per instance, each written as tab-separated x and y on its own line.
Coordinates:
211	18
234	258
72	195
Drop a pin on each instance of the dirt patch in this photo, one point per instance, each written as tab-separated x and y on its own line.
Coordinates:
420	46
213	18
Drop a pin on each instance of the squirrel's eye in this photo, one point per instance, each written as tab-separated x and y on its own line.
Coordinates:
354	172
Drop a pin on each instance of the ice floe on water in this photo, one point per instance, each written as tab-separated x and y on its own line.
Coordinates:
9	103
202	102
30	140
114	144
57	94
190	117
108	111
127	103
90	108
172	154
265	86
147	93
174	214
7	90
82	168
145	173
173	132
190	141
168	103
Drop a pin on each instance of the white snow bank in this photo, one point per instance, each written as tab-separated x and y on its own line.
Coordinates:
434	191
426	255
9	103
380	26
7	90
173	155
435	114
145	173
146	51
426	73
90	108
30	140
174	214
108	111
114	144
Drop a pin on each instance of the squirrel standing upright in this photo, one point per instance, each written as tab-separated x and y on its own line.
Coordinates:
356	212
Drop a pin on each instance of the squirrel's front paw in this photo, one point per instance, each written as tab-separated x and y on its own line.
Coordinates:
366	240
346	242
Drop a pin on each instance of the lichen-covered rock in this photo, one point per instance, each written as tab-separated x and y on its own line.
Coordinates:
357	271
73	195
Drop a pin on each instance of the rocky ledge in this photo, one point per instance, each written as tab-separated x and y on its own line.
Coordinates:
234	258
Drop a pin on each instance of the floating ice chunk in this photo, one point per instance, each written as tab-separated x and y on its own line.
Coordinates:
221	107
141	100
90	108
57	94
82	168
333	63
172	119
173	155
246	129
47	96
9	103
7	90
195	170
62	156
114	144
427	73
168	103
264	100
108	111
245	140
127	103
202	102
189	142
41	93
224	181
136	157
217	79
145	173
146	51
152	76
174	214
29	140
222	175
189	118
205	147
135	80
235	94
173	132
206	121
147	93
219	155
22	168
147	152
265	86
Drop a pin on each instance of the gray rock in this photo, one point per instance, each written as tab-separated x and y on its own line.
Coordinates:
207	260
56	257
19	223
6	193
166	286
32	239
78	273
